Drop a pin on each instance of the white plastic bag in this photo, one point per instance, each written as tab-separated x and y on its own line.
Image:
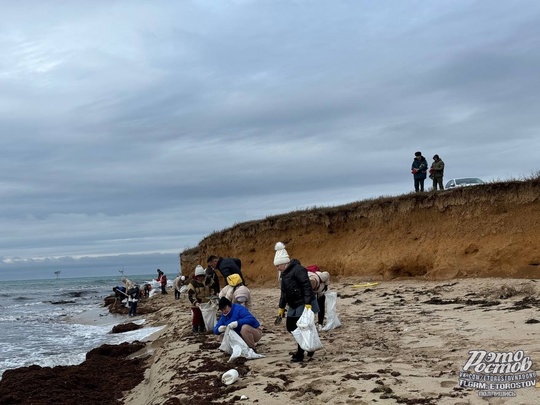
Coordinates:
305	333
332	320
209	313
233	344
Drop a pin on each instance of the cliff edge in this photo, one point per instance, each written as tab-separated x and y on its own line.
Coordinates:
490	230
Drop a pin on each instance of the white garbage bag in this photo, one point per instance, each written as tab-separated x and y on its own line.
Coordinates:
233	344
332	320
305	333
209	313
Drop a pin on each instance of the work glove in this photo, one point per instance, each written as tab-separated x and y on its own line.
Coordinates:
222	328
281	312
233	325
308	306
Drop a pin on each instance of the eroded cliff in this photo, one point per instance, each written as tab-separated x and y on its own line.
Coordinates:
492	230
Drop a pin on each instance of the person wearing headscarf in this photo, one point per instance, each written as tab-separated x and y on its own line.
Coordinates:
236	292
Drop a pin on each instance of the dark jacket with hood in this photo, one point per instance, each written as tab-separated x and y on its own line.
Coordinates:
295	286
228	266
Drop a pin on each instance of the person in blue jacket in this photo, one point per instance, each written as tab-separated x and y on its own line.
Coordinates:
419	169
238	318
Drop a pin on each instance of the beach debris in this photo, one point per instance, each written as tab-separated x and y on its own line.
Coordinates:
125	327
364	285
229	377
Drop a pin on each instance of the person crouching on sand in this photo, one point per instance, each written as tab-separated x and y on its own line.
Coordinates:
236	292
296	292
237	317
199	293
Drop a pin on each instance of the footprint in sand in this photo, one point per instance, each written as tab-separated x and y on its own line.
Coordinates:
448	384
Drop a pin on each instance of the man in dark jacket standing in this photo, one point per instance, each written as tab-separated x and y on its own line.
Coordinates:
437	172
296	292
418	169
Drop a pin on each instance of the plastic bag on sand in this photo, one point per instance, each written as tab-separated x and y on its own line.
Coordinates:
233	344
332	320
209	313
305	333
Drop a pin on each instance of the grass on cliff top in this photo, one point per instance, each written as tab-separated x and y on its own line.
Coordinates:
482	190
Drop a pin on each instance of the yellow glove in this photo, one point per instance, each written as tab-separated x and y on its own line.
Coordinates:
308	306
281	312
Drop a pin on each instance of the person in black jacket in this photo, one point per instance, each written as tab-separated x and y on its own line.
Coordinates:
419	170
296	292
211	272
227	266
134	295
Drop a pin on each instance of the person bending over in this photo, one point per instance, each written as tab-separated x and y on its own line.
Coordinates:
238	318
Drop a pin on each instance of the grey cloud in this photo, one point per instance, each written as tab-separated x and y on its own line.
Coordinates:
146	135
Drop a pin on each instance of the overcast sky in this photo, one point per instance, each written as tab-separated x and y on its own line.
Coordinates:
132	129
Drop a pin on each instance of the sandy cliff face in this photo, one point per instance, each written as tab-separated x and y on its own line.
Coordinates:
491	230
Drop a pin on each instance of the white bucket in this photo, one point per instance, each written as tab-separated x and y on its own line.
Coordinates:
229	377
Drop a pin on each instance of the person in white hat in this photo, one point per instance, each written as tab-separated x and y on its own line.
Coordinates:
199	292
296	292
178	282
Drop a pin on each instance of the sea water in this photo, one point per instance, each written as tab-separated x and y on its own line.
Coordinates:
57	321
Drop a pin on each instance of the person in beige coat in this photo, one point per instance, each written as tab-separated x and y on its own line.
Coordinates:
319	282
236	292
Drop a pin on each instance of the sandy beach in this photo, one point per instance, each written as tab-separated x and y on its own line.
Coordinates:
402	341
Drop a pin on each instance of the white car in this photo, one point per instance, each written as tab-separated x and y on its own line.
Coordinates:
463	182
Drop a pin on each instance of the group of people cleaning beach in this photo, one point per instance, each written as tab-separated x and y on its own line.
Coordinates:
134	292
301	288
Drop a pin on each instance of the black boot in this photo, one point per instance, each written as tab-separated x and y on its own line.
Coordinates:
298	357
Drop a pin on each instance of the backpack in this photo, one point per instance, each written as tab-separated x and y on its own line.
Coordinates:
313	268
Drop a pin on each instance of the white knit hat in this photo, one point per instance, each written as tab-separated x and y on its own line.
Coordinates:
281	256
199	271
